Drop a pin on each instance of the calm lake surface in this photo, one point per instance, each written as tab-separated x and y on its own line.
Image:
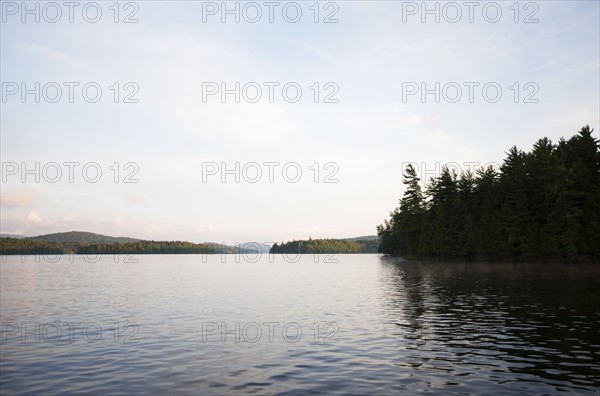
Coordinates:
362	325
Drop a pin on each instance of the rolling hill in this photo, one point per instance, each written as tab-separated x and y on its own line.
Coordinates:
81	237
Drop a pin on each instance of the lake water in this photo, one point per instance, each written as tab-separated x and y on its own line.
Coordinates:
361	325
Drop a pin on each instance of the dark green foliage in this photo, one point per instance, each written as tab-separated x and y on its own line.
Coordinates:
11	246
26	246
326	246
542	203
148	247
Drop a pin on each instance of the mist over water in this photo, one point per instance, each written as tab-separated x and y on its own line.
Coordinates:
192	324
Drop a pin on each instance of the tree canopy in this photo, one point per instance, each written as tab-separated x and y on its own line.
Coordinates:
12	246
545	202
327	246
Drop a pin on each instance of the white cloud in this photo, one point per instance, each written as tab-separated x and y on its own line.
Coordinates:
136	199
17	198
33	218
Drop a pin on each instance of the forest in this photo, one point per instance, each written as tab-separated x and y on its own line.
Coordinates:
541	203
326	246
12	246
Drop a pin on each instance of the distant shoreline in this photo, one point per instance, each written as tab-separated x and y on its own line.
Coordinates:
578	259
87	243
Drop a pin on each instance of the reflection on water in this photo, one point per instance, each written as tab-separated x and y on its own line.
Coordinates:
502	323
364	324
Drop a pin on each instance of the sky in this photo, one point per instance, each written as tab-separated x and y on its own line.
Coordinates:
151	148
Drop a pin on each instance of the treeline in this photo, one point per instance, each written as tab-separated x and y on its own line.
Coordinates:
148	247
12	246
545	202
326	246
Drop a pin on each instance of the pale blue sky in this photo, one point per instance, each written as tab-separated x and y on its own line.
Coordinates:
369	134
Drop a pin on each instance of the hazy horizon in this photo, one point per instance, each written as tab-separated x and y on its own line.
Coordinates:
8	235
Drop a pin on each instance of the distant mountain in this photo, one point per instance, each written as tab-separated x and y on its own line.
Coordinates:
82	238
80	242
15	236
363	238
239	248
256	247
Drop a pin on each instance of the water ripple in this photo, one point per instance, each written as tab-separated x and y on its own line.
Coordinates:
369	325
